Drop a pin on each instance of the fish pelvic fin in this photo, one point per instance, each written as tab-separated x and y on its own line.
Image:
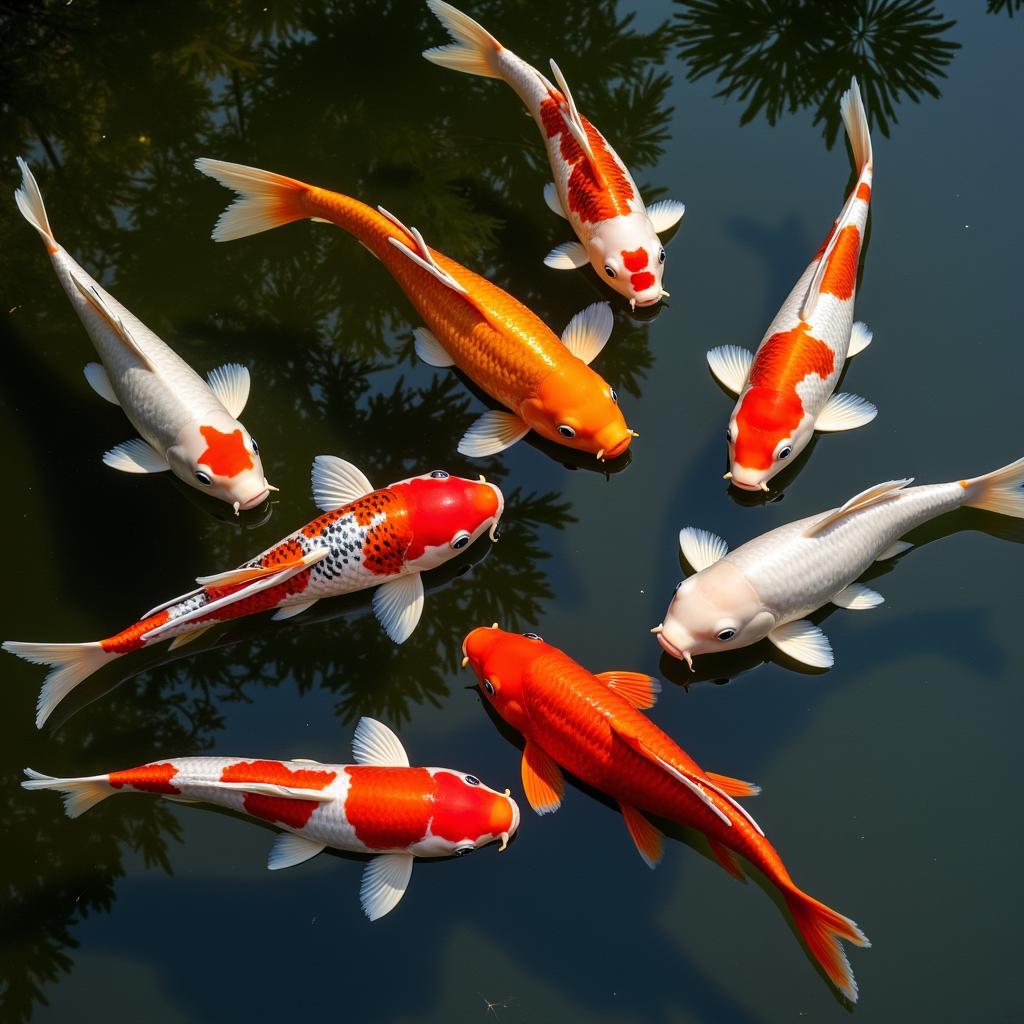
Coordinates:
78	794
1001	491
473	49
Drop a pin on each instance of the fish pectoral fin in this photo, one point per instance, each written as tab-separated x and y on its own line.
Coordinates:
730	366
543	781
230	383
845	412
701	548
587	333
94	297
375	744
493	432
567	256
187	638
893	550
804	642
856	597
733	787
135	456
639	689
649	839
726	859
665	214
573	121
291	610
869	496
398	605
385	880
430	350
289	850
554	204
337	482
860	338
99	381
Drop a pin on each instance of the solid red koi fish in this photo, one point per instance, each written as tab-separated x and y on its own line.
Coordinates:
379	805
591	726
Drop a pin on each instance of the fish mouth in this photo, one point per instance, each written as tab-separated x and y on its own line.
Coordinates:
256	499
616	449
670	648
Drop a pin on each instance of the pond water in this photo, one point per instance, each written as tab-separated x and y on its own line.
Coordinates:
886	779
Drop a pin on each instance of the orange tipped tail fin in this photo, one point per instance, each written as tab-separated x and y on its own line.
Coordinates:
264	199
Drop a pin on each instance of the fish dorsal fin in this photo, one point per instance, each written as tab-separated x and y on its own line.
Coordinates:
92	295
639	689
574	123
588	331
424	257
871	496
230	383
244	574
337	482
374	743
701	548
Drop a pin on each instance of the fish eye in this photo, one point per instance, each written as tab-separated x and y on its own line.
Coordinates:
489	687
726	634
565	430
728	436
204	478
614	395
461	851
661	256
472	780
255	446
610	271
785	453
532	636
460	540
439	474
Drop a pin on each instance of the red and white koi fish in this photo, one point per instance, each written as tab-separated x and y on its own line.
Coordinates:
786	389
592	726
592	188
379	805
186	424
365	538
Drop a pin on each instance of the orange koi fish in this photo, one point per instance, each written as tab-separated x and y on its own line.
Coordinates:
545	384
591	726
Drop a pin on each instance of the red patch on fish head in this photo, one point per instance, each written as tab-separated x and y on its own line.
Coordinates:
764	418
641	282
226	454
465	810
501	662
634	261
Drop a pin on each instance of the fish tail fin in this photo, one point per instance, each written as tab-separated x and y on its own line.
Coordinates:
78	794
824	930
264	199
474	47
1000	491
855	118
69	664
30	203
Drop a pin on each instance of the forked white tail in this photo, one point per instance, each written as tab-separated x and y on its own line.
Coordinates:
78	794
474	47
1000	491
851	106
30	203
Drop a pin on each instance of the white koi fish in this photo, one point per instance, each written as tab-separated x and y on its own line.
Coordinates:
592	189
186	424
785	390
767	586
379	805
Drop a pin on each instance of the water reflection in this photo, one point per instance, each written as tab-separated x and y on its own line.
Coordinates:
777	58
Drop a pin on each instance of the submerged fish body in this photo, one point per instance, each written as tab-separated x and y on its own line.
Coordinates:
365	538
379	805
591	187
785	390
544	383
186	424
765	587
592	726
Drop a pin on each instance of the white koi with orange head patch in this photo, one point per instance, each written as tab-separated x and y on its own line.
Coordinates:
592	188
186	424
785	390
379	805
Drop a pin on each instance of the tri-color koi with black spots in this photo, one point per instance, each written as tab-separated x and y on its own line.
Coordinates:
592	188
379	805
785	390
186	424
365	538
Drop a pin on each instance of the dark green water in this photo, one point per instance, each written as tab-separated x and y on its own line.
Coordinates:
889	782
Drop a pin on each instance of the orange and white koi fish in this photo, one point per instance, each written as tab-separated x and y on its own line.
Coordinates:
365	538
186	424
592	189
379	805
545	384
591	726
786	389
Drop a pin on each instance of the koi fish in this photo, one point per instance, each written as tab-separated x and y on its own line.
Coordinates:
379	805
767	586
592	727
785	390
365	538
592	188
186	424
545	384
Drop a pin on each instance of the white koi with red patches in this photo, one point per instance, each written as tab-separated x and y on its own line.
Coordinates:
186	424
379	805
366	538
592	187
785	391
